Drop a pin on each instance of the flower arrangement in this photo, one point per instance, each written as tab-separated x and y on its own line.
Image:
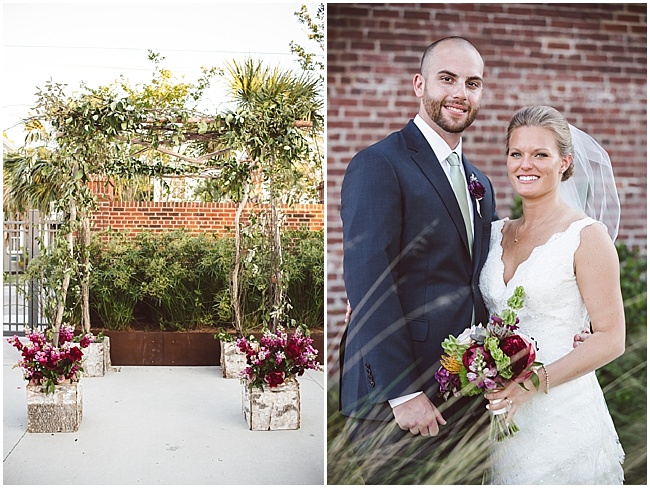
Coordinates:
482	359
43	363
277	356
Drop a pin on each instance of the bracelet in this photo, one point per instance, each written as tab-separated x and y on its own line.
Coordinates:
545	376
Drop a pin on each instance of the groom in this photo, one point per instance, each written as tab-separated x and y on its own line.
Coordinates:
414	244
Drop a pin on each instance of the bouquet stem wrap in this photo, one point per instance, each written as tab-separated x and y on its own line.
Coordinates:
499	428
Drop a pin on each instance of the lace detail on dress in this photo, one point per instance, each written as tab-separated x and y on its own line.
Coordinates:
567	436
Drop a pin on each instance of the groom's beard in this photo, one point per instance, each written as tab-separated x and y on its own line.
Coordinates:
434	110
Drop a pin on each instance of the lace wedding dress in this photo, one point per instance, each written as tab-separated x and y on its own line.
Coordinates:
566	436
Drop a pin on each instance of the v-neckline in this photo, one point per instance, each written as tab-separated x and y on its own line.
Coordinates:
551	238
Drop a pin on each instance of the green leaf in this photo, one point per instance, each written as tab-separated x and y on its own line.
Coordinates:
535	380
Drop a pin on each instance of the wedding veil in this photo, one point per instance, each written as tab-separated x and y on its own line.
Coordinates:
592	188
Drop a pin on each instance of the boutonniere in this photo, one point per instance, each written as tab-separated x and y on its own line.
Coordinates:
477	190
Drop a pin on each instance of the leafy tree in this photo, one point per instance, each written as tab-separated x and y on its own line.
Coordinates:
277	109
101	132
316	32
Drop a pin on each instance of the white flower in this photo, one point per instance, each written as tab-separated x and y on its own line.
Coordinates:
466	337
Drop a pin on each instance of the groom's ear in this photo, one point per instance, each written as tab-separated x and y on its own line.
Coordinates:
418	85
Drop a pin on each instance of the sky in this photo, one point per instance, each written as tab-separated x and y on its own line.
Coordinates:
97	42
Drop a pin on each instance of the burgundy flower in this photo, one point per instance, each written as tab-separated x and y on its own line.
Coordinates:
36	377
520	352
293	349
86	340
275	378
75	354
476	189
15	341
277	356
470	354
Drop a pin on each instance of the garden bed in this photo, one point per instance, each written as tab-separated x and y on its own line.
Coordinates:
166	348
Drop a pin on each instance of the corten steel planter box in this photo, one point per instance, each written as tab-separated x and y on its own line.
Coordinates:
160	348
60	411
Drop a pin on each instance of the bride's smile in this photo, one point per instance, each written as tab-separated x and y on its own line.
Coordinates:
534	163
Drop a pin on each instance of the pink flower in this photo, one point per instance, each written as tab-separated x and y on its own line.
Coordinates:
43	363
65	334
86	340
277	356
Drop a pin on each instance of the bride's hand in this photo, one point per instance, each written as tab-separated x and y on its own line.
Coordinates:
511	398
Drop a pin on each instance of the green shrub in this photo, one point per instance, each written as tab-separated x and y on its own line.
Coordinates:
624	380
178	281
304	276
115	288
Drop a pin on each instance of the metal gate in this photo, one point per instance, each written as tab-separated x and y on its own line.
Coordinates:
22	297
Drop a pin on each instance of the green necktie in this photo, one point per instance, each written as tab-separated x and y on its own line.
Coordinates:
459	185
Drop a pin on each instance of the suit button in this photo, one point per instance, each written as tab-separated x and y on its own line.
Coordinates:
371	380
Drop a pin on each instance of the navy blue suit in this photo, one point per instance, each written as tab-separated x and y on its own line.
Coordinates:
409	276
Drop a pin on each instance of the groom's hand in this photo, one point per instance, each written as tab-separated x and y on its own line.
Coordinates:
580	338
419	415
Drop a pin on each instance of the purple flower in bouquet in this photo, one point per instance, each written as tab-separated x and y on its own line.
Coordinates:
449	383
481	368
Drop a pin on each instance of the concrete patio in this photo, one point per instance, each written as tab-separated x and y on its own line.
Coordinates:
162	425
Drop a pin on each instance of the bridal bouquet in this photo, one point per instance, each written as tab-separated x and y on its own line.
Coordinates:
483	359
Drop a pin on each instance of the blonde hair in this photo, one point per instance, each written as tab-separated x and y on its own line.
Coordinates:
547	118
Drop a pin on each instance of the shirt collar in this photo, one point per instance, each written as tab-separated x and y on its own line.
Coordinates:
440	148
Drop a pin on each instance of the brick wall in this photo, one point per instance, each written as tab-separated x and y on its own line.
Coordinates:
137	217
587	60
194	217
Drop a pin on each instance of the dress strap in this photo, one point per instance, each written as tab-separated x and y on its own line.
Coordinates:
577	226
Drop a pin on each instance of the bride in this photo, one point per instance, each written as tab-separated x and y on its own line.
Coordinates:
568	265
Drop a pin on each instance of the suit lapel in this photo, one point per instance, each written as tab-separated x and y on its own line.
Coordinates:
428	163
